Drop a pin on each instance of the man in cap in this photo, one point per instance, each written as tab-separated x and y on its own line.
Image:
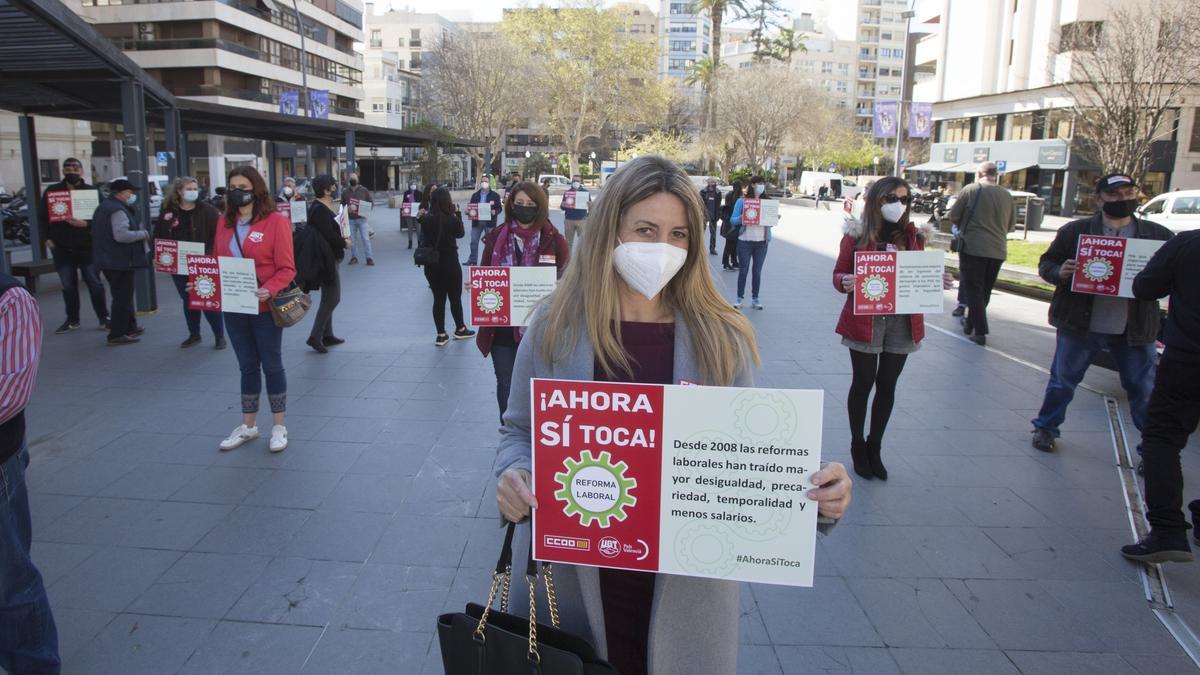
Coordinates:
1088	324
119	241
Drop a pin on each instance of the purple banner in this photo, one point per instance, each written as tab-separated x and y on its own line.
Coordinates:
920	120
289	102
320	103
885	119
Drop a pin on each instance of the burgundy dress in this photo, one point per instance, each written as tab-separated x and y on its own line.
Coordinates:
627	596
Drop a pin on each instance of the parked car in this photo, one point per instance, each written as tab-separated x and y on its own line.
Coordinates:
1177	211
558	184
157	186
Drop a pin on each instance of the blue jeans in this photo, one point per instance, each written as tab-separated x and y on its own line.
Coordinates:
360	237
193	315
1073	355
478	229
750	252
70	265
28	636
258	342
504	356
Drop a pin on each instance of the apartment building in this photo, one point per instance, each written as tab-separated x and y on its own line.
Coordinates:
684	37
241	53
998	95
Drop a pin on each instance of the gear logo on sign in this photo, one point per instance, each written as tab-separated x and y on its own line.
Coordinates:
206	286
875	287
166	259
59	208
1098	269
595	489
490	302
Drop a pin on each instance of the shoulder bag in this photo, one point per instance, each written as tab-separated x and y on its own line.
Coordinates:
486	641
425	254
956	241
288	306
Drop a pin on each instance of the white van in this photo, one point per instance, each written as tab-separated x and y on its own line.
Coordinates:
558	184
839	187
1176	211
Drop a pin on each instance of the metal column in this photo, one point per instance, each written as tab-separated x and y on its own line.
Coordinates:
33	185
175	169
349	154
133	126
272	156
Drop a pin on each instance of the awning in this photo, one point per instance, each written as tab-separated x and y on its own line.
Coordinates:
931	166
962	167
1014	167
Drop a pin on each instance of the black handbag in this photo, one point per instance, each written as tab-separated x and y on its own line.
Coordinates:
425	254
485	641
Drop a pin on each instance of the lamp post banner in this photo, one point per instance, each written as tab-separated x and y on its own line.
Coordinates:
886	114
920	120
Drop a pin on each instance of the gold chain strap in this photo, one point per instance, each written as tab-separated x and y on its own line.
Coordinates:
551	595
479	630
533	654
504	589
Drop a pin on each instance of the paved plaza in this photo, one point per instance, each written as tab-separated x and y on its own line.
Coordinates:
980	554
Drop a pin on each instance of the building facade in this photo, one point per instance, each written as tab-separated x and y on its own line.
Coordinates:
999	96
684	37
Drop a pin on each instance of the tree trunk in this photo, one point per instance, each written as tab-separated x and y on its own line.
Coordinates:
718	14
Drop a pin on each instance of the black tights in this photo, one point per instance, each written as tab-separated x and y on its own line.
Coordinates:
880	371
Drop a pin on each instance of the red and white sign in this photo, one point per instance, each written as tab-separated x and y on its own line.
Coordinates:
762	212
573	199
296	211
477	211
696	481
64	205
409	209
1107	265
898	282
170	256
507	296
222	284
360	208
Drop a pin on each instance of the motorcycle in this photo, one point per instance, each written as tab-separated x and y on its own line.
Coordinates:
14	213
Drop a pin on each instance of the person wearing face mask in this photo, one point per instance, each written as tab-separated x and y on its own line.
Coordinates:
984	214
1088	324
638	305
489	208
729	259
360	234
409	223
753	241
441	227
527	239
185	218
321	255
712	212
70	243
575	219
252	228
879	345
120	248
289	193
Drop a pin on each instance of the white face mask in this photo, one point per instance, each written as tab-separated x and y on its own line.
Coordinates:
483	186
412	186
191	195
648	266
575	184
287	190
892	212
758	189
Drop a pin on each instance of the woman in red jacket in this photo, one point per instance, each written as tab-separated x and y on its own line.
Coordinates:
879	345
527	239
252	228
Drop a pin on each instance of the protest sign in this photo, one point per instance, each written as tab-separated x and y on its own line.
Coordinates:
1107	265
689	480
506	296
170	256
898	282
223	284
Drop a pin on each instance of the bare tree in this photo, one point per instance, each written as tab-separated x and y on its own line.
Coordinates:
763	108
473	84
1129	74
719	146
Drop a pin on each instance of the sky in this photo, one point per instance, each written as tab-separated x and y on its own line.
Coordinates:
475	10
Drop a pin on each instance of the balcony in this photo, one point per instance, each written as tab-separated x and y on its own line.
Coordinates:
132	45
414	44
864	74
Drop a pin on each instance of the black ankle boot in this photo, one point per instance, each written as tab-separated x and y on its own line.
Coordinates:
862	466
873	451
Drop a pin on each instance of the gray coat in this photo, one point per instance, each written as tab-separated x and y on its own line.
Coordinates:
693	621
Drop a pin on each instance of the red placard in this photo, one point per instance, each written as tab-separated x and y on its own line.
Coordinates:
204	273
355	206
491	299
473	211
166	256
409	209
751	211
285	208
607	457
1098	263
568	200
58	203
874	282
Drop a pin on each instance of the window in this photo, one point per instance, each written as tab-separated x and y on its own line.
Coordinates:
843	68
956	131
1186	205
1021	128
987	128
400	42
683	45
1155	206
681	8
400	64
841	86
885	36
1081	36
1194	145
1058	124
416	33
680	64
826	67
682	28
49	170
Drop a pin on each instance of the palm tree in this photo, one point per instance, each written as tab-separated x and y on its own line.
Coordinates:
704	73
716	11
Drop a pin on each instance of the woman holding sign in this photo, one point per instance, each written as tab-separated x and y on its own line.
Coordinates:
879	345
752	244
527	239
185	218
638	304
252	228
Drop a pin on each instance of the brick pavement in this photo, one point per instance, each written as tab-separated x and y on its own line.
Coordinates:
163	555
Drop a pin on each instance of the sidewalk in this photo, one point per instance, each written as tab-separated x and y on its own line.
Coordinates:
162	555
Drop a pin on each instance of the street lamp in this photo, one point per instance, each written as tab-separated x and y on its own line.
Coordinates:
908	17
525	166
374	168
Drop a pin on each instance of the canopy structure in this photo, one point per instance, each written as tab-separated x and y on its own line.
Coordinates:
1012	167
932	166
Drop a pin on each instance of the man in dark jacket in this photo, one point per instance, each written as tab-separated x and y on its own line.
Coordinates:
120	248
1174	409
489	208
985	214
360	234
711	196
1087	323
71	247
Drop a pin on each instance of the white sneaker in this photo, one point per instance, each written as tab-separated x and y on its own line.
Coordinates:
239	436
278	438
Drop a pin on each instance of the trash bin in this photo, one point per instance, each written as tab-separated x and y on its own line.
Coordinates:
1035	210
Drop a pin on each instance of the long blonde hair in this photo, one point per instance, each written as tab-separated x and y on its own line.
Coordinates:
722	338
174	193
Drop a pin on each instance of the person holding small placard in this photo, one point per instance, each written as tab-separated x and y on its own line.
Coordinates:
410	203
185	218
360	235
753	241
487	203
70	243
252	228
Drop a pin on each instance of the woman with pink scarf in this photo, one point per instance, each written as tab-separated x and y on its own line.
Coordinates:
526	239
